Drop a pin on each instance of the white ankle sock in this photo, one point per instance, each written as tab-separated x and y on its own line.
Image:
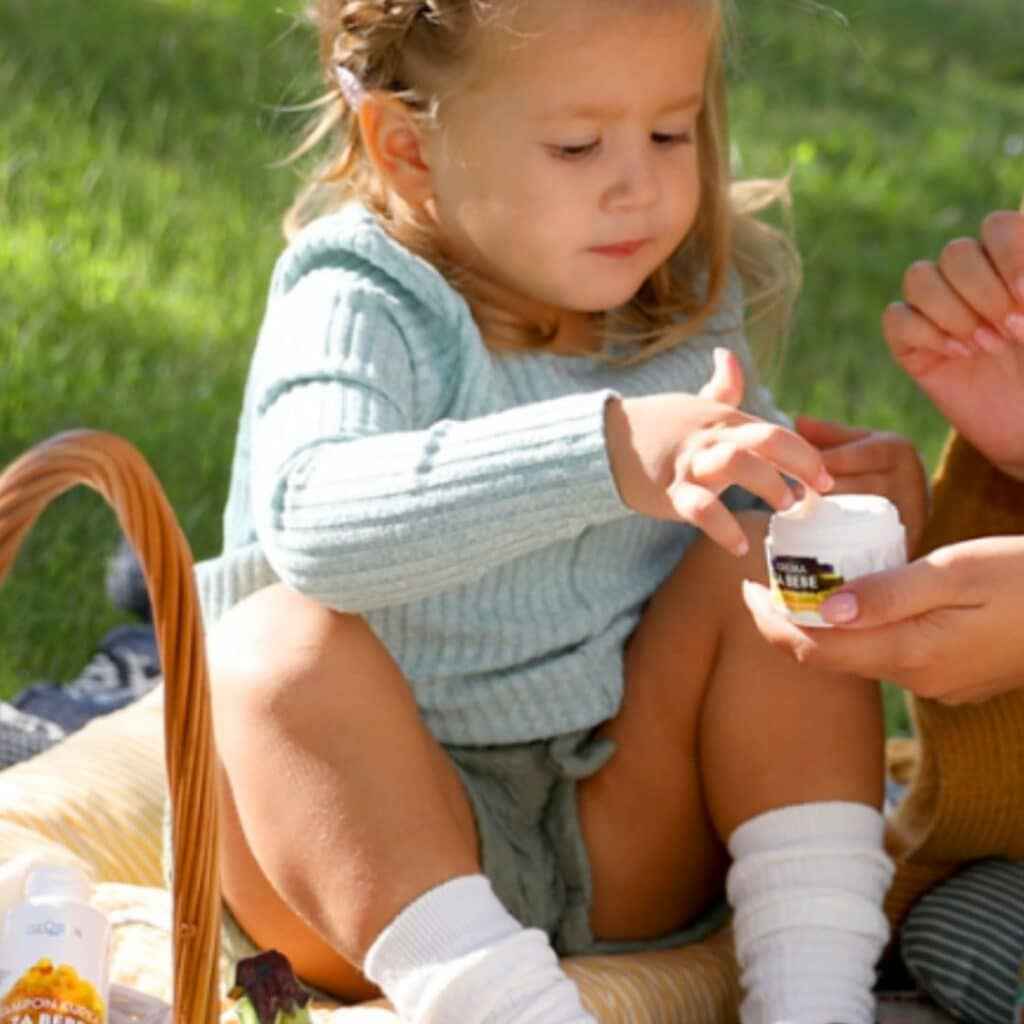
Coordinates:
456	956
806	886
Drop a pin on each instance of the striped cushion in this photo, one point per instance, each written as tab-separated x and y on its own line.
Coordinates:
964	941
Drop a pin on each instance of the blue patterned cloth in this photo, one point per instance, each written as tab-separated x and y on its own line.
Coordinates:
125	666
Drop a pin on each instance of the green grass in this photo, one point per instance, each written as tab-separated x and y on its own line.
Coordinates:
139	217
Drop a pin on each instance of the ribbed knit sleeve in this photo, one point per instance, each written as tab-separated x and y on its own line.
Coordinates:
364	493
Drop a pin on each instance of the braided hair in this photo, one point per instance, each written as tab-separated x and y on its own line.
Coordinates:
379	42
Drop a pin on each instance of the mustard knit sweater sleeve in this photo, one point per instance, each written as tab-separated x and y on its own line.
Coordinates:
966	797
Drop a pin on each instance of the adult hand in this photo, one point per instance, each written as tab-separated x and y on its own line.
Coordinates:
960	335
865	461
946	626
671	455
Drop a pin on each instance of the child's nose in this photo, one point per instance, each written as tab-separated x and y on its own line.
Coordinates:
636	183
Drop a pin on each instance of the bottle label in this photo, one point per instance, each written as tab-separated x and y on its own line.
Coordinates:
53	967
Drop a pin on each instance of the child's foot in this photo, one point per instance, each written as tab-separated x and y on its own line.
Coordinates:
456	956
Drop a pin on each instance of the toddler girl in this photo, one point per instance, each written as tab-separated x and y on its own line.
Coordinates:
474	706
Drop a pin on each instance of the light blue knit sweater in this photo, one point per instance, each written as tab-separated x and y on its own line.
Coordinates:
389	464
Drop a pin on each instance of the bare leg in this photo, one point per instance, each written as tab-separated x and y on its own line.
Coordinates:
340	808
715	728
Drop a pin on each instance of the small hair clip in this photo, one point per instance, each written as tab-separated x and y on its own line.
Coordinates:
350	86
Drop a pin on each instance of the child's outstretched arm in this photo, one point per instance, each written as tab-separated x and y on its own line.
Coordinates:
672	455
361	521
959	332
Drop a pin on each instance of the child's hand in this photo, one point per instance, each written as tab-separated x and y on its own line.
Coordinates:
873	462
960	335
672	455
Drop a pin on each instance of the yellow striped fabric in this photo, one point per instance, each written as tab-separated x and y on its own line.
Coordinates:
694	985
99	795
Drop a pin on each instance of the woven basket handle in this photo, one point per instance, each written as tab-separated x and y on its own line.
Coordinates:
115	469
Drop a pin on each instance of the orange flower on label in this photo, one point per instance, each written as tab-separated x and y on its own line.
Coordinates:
52	994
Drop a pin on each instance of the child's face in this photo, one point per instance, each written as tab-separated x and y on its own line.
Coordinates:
568	171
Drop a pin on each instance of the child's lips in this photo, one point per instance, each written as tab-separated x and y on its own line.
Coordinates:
620	249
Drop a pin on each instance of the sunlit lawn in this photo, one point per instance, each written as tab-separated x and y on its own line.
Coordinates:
139	210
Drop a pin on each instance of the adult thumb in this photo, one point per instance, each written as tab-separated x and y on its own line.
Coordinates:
894	595
726	383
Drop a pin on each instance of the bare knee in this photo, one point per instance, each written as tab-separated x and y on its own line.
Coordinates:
276	659
274	641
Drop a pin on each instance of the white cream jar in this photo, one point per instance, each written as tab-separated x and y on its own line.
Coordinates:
822	542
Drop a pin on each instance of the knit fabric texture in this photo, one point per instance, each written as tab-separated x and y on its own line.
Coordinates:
389	464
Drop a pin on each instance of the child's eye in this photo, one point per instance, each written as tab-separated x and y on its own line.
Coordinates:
575	150
671	138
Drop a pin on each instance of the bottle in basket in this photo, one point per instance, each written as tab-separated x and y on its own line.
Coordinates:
54	953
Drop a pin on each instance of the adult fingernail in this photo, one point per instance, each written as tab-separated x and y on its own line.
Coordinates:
840	608
825	481
1015	325
986	338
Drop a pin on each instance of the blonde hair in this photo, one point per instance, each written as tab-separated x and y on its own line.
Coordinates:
396	46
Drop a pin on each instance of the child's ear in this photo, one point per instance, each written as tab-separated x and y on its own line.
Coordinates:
395	144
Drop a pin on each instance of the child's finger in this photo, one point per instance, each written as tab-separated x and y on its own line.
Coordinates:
827	433
701	507
722	465
726	383
930	294
786	450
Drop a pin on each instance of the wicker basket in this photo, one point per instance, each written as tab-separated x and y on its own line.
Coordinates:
115	469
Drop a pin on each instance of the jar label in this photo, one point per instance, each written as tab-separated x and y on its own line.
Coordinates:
802	584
